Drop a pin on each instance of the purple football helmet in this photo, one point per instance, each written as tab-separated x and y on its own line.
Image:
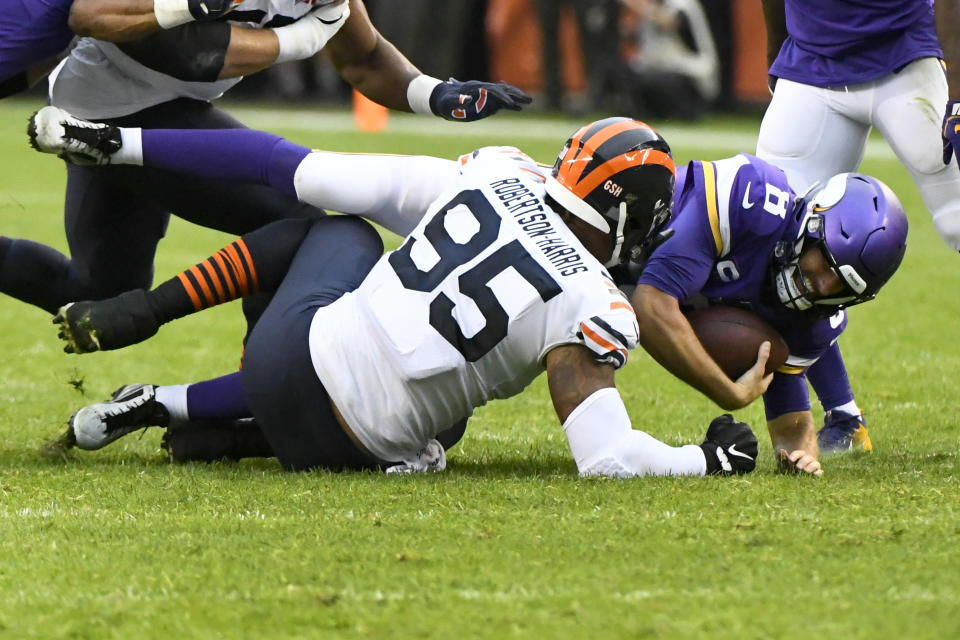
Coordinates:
859	225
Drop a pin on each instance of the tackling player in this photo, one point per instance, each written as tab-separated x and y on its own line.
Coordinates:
361	360
742	237
35	33
838	69
116	216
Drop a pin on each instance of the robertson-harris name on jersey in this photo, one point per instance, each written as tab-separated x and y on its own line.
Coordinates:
527	209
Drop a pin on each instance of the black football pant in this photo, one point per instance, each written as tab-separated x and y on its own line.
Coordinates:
286	397
115	217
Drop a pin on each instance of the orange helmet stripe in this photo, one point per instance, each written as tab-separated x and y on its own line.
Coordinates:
571	171
570	156
618	164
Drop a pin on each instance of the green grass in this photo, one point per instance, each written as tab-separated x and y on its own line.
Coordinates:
507	543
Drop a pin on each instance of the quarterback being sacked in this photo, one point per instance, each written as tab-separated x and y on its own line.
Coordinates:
839	70
742	237
361	360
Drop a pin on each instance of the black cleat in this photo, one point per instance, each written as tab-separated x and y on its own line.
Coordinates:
103	325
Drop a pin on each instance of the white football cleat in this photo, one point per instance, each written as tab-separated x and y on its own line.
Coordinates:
53	130
132	407
431	459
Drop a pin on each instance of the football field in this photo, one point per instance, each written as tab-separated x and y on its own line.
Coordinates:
508	542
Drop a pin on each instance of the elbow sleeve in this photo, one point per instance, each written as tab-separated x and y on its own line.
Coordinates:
603	443
194	52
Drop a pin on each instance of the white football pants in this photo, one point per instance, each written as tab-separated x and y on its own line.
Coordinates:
813	133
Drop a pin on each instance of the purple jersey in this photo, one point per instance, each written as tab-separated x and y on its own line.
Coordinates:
832	43
728	216
32	31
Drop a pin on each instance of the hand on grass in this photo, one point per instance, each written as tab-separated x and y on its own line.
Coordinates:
797	462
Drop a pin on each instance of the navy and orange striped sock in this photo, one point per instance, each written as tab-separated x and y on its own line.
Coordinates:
257	262
226	275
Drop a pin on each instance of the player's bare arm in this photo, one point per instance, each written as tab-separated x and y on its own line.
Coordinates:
113	20
776	22
573	376
125	20
375	67
667	336
206	51
794	440
370	63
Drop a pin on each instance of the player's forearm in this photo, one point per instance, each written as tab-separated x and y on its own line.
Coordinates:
370	63
668	337
250	50
774	18
113	20
382	77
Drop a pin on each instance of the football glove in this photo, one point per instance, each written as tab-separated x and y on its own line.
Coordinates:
473	100
210	9
730	447
951	130
104	325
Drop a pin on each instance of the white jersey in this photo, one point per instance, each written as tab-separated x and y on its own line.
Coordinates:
98	80
466	310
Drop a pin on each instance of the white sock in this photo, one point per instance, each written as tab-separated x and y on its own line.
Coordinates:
131	151
174	398
850	408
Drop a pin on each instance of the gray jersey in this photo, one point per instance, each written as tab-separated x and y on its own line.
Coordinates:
97	80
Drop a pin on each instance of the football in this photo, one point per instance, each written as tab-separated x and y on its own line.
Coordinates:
732	336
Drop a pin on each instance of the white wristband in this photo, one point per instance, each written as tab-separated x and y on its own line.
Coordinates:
309	34
418	94
171	13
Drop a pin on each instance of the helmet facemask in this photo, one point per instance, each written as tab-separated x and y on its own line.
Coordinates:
858	226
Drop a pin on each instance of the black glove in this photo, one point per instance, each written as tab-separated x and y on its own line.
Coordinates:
209	9
108	324
730	447
951	129
473	100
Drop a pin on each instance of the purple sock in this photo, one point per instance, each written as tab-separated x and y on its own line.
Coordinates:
241	155
828	377
221	397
